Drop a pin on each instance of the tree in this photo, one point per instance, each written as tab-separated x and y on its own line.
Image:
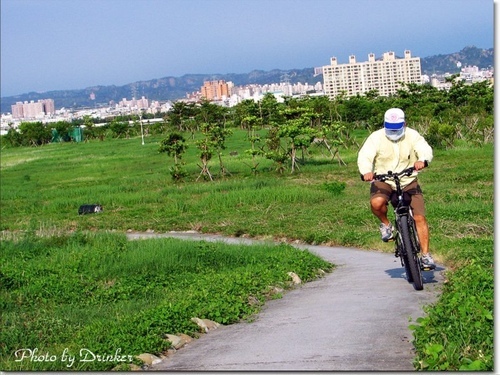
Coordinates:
274	150
206	147
119	128
211	113
212	118
441	135
179	113
175	145
218	135
90	130
34	133
332	133
268	109
13	137
251	124
243	110
63	130
297	132
158	127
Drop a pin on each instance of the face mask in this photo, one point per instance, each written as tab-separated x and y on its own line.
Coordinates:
395	135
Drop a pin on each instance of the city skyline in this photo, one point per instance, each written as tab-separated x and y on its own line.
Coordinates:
58	45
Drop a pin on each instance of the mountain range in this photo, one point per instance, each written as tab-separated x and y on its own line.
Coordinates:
172	88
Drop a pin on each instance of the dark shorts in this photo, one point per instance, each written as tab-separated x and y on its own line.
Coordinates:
382	189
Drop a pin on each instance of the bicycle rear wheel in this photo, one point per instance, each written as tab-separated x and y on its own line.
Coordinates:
411	261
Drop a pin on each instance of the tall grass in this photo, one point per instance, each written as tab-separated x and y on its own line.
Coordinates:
132	182
100	292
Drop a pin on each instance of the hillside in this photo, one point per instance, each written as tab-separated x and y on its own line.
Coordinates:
171	88
470	55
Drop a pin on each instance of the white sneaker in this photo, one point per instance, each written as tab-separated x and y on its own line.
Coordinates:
386	232
428	262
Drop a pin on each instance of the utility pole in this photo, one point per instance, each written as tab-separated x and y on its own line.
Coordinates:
142	130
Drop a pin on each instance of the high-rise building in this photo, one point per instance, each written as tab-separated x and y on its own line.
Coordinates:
216	90
142	103
33	110
48	106
383	75
17	110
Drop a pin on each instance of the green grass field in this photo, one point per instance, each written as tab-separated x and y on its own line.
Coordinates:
323	202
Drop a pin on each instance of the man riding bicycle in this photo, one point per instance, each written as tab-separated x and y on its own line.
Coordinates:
394	148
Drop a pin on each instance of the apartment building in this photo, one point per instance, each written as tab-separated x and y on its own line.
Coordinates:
32	109
382	75
142	103
216	90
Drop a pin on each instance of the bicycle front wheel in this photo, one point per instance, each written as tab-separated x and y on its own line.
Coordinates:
410	255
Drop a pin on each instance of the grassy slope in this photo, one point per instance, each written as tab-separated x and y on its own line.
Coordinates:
42	188
100	292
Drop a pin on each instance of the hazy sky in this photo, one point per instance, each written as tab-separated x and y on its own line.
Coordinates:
73	44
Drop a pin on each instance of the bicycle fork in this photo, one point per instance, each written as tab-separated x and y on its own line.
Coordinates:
398	241
398	247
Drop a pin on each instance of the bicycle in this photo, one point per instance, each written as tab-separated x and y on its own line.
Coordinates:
407	245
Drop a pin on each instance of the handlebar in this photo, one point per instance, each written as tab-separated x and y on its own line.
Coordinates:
390	174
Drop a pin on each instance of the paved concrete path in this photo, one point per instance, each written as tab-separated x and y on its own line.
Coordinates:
354	319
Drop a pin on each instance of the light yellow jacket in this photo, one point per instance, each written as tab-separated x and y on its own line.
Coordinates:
380	155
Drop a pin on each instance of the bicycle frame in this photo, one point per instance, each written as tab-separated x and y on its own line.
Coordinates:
403	208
